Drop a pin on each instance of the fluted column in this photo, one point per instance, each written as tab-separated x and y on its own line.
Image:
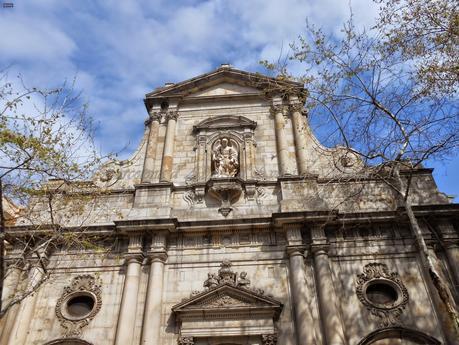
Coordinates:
10	286
166	165
304	324
21	327
153	304
281	140
128	309
298	125
150	155
328	303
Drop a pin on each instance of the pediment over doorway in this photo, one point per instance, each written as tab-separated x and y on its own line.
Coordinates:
228	307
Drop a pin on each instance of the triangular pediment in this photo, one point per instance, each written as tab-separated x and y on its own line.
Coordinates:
224	81
226	88
227	296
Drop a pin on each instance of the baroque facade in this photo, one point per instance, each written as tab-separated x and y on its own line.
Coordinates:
232	225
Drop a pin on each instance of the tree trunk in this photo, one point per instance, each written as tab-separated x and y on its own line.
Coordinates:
427	261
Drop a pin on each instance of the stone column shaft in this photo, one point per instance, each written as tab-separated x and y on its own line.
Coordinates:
128	310
21	327
300	138
152	316
9	289
150	155
304	325
331	321
166	164
281	140
452	254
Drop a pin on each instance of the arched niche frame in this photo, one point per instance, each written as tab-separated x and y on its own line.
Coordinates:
240	132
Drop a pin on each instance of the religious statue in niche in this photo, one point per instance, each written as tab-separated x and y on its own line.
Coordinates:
225	159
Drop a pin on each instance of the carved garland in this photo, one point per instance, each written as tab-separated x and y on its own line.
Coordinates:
388	313
82	285
269	339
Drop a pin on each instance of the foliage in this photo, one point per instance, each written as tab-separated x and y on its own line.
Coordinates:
427	34
46	150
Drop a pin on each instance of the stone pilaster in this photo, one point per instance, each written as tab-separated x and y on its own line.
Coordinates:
277	110
153	303
298	124
168	152
24	317
148	174
128	309
328	302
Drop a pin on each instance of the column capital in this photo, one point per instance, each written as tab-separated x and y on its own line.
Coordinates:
153	116
320	248
172	115
133	257
449	244
157	256
295	250
296	107
277	108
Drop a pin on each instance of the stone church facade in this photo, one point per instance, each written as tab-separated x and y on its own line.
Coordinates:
232	225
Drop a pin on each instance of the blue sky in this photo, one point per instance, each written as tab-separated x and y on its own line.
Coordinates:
120	50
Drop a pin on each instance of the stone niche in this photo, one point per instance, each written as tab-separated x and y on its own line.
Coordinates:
225	159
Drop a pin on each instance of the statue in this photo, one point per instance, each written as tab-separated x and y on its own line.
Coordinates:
243	281
212	281
225	159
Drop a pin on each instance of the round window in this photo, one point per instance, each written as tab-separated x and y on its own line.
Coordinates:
382	293
79	306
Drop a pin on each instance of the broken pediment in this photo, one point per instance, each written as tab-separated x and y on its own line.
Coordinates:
228	307
225	292
226	298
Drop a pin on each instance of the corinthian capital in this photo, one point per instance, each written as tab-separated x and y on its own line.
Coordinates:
296	107
277	108
172	115
153	116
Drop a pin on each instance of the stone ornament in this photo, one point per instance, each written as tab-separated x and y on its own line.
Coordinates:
225	159
269	339
185	341
227	276
82	285
378	275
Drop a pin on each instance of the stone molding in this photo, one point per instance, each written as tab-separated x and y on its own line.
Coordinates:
388	315
82	284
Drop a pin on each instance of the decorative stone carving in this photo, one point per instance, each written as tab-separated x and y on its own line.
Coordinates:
172	115
190	197
269	339
185	341
227	276
82	285
377	274
153	116
227	190
243	281
225	159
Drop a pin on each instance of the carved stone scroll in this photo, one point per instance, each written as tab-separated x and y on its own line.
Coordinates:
82	285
